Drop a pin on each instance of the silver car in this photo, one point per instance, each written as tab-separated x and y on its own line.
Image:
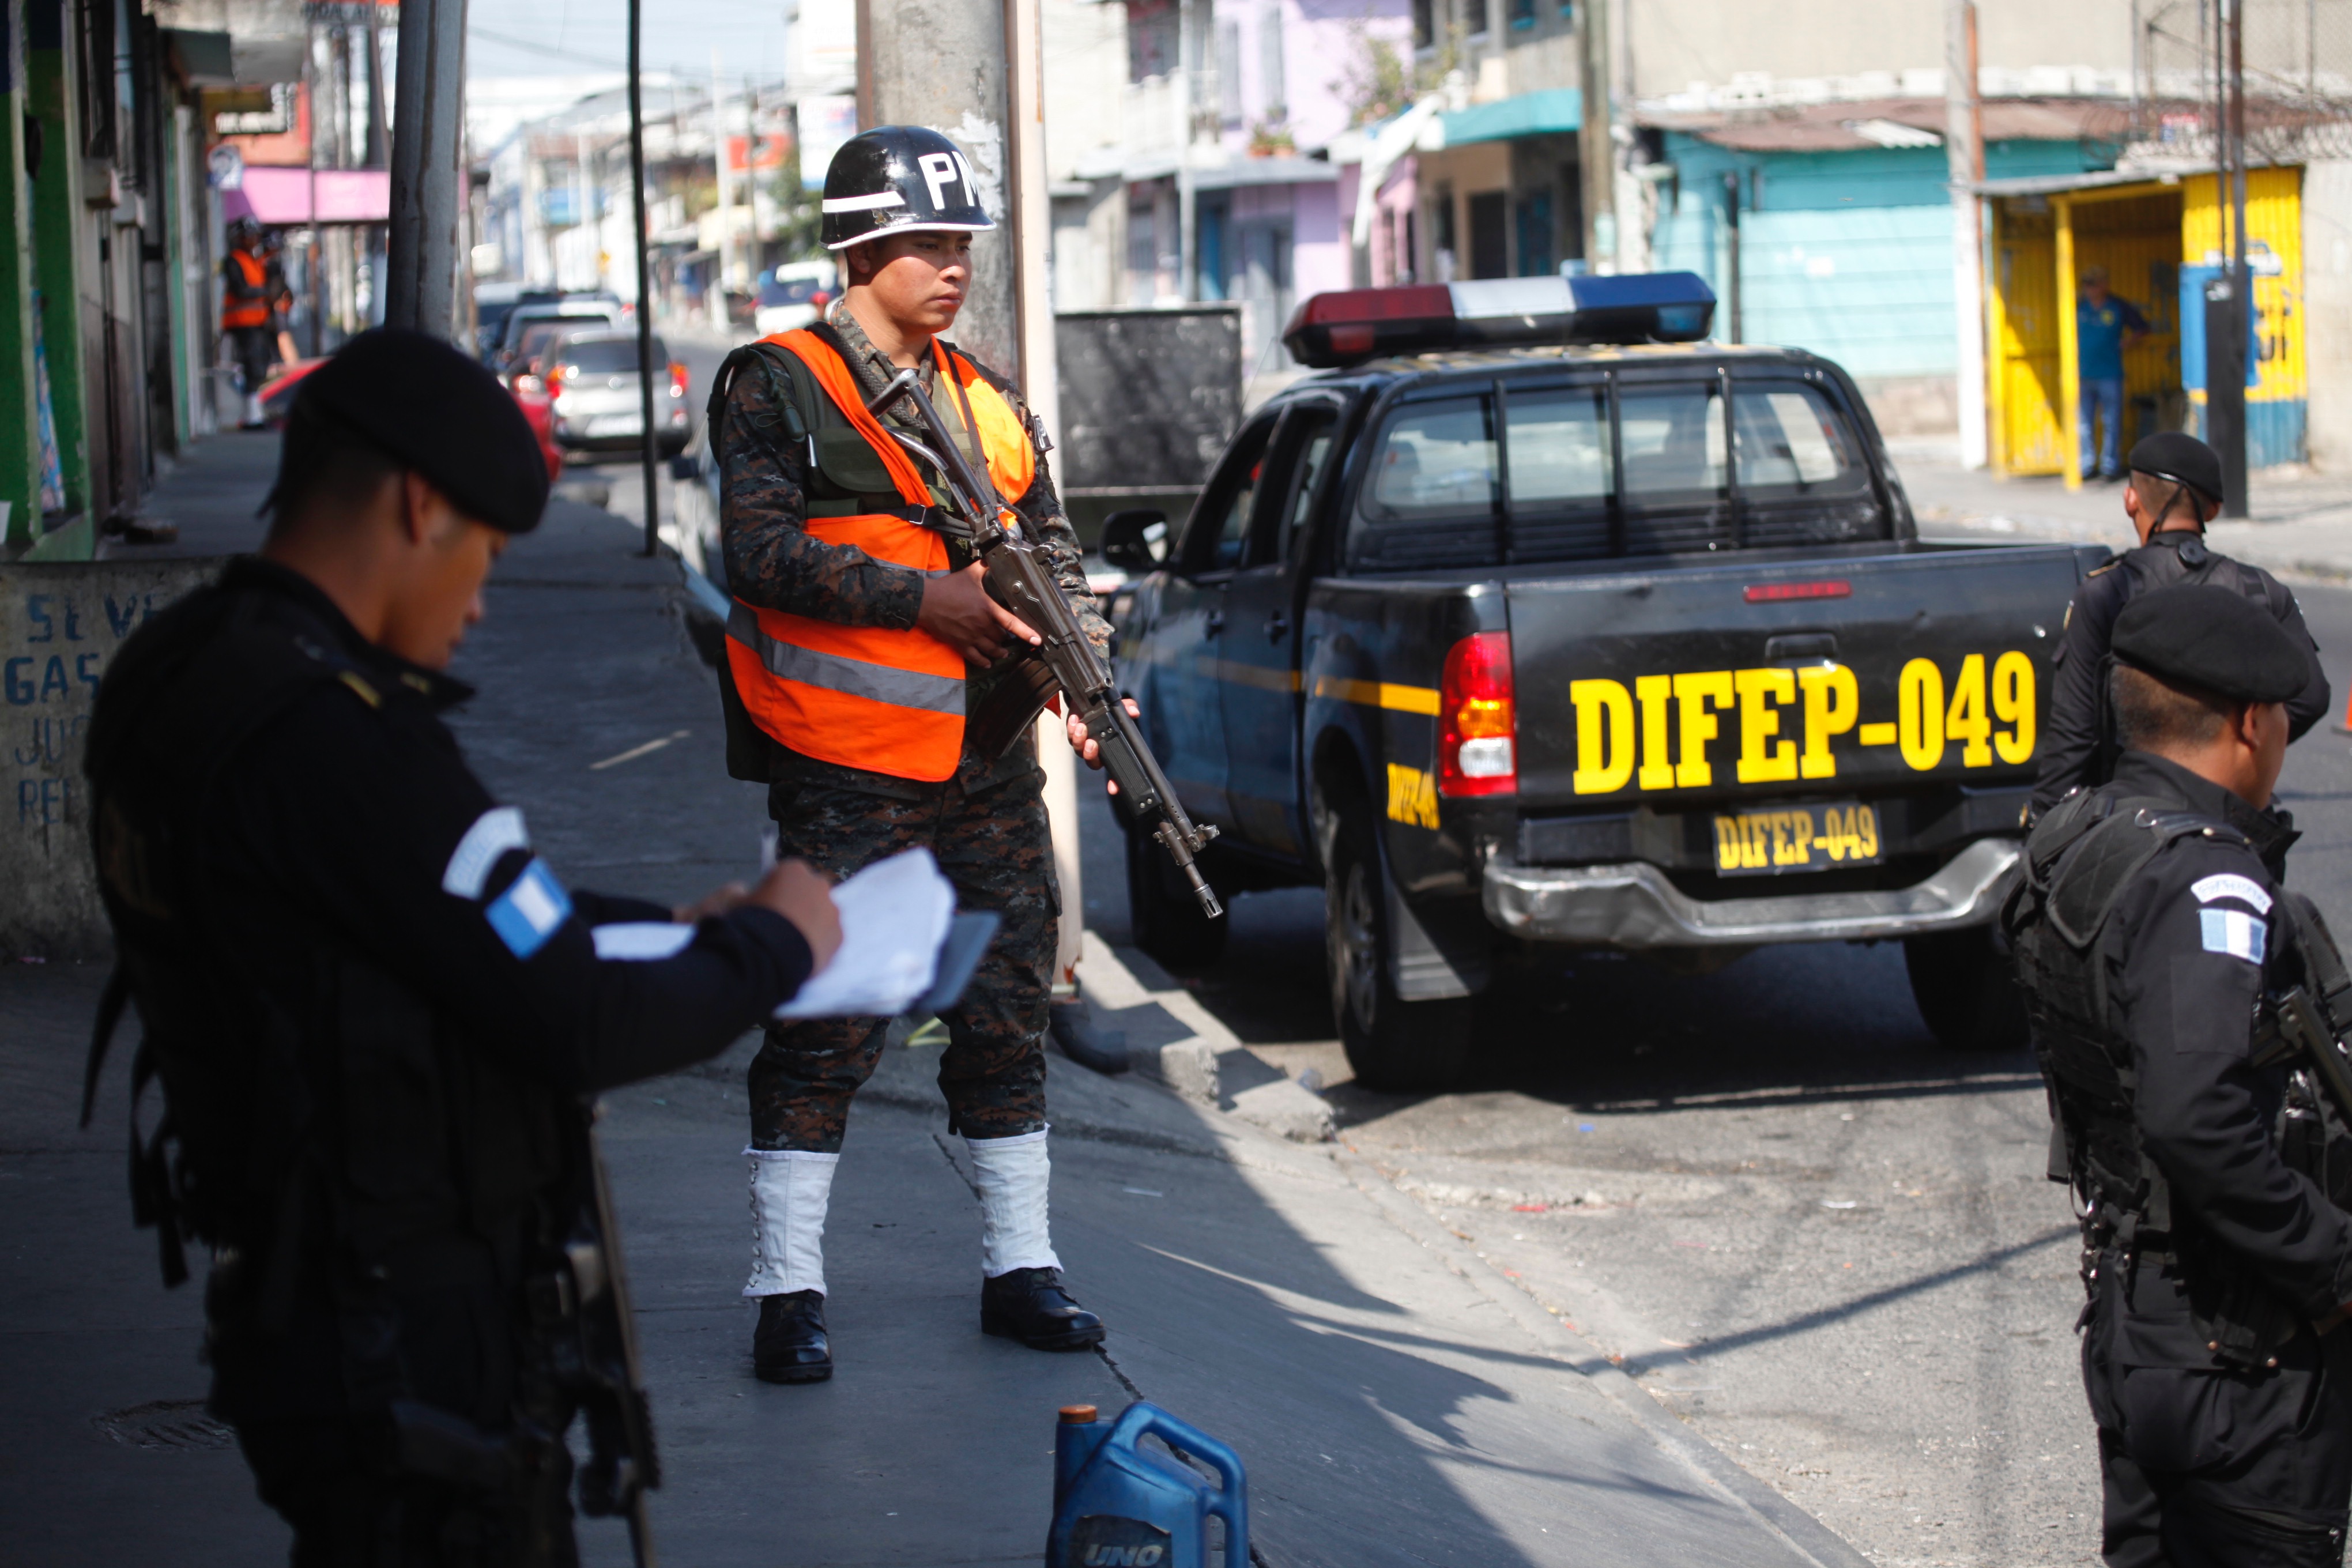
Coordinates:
592	381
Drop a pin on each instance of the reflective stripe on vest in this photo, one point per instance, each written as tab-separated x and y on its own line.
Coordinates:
254	313
868	697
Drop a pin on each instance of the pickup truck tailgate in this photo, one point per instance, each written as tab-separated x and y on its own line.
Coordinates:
1758	679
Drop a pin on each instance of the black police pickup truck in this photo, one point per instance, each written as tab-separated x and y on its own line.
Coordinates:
1539	619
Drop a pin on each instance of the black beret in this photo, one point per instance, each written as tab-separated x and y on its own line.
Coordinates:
441	413
2181	457
2197	635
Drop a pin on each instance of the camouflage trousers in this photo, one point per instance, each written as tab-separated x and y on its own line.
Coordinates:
996	848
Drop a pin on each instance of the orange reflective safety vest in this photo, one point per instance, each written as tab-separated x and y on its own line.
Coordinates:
254	311
868	697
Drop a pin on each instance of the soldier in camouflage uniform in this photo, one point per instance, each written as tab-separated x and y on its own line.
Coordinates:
986	824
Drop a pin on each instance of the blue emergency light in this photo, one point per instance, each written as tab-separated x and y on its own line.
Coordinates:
1350	325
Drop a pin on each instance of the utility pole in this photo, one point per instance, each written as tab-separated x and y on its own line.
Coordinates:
2229	295
1631	200
1964	161
1007	320
943	66
646	444
428	119
1596	159
1731	257
1029	212
726	262
1188	196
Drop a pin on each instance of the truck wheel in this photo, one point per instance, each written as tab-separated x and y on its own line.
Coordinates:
1967	989
1394	1045
1161	914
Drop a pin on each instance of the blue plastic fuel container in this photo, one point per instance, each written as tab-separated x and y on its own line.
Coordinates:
1118	1504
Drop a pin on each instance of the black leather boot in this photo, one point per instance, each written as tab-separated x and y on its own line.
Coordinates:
789	1345
1030	1305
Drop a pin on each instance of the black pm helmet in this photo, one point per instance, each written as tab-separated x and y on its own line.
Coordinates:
899	179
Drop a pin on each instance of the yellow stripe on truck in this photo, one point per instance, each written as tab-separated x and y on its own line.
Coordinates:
1380	694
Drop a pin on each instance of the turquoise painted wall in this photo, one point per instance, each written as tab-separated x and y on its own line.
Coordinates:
1846	254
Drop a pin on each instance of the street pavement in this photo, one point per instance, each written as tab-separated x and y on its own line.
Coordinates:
2299	524
1824	1243
1396	1398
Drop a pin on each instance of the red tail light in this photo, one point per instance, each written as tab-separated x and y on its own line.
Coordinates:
676	379
554	379
1776	593
1477	719
820	300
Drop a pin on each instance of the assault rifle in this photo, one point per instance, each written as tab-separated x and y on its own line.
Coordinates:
2314	1020
597	1357
1021	579
578	1298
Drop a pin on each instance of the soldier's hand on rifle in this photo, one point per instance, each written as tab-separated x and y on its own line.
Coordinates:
1090	750
802	895
957	611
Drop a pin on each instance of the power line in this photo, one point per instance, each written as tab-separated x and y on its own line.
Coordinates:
533	45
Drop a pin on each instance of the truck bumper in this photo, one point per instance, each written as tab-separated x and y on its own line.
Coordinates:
1634	906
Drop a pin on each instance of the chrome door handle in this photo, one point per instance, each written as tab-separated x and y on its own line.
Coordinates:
1277	626
1214	623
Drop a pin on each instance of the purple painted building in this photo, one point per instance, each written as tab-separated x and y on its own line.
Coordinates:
1207	172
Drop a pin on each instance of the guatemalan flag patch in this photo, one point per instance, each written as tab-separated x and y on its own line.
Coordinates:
531	909
2235	933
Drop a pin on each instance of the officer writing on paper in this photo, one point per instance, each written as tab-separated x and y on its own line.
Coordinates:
861	639
2175	490
371	1008
2153	934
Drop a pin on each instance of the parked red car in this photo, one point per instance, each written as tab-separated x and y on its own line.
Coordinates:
277	396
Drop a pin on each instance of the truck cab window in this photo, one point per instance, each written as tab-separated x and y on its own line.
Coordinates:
1304	452
1437	458
1672	438
1432	494
1791	443
1220	527
1559	445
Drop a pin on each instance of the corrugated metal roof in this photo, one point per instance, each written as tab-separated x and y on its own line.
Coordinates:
1843	127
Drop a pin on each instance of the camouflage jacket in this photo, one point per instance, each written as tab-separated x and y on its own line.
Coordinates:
773	562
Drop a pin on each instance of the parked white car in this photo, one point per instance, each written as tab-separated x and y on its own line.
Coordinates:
793	295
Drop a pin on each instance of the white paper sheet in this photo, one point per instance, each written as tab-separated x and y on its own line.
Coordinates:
894	916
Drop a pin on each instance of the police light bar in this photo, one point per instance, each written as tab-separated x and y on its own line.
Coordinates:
1353	324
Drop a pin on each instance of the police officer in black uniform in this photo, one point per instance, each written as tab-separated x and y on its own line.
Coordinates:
2175	489
373	1011
2153	934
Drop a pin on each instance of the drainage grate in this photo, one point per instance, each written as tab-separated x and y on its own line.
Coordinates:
166	1424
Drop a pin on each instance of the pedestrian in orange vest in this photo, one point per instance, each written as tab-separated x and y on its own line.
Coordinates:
864	658
249	310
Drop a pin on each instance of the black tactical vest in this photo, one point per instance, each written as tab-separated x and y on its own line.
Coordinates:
2168	559
334	1138
2078	861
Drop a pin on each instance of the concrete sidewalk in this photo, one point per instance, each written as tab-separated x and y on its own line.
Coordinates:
1396	1399
2300	525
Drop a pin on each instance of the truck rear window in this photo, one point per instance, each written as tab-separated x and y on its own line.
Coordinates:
1557	472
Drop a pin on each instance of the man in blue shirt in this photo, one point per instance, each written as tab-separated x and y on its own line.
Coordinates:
2105	326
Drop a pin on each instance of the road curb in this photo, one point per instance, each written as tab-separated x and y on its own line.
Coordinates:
1805	1535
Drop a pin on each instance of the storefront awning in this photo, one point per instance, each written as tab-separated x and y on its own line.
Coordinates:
281	196
1544	113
